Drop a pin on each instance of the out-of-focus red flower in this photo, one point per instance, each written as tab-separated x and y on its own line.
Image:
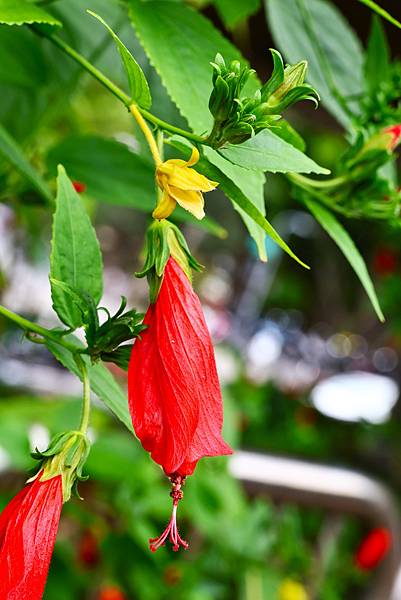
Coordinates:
28	529
395	132
174	392
373	548
79	186
88	549
385	261
111	592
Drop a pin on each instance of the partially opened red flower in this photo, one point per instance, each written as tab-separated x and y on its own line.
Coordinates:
174	392
28	529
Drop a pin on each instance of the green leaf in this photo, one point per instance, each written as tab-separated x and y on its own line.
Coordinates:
101	381
343	240
236	195
139	88
382	12
286	131
234	12
251	183
18	12
315	30
114	174
377	64
269	152
13	153
75	256
180	43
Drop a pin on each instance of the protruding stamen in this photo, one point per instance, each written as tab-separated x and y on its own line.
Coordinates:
171	530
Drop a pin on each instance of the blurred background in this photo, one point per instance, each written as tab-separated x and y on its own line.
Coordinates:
307	370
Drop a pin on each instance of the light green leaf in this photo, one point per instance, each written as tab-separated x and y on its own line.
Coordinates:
234	12
343	240
269	152
139	88
315	30
382	12
377	64
75	256
180	43
116	175
101	381
236	195
251	183
18	12
13	153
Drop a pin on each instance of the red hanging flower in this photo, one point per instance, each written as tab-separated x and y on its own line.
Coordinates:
373	548
28	529
174	392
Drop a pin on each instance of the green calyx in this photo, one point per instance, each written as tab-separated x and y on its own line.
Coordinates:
105	341
65	457
164	239
237	117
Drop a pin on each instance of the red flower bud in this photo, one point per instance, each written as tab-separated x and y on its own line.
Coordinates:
373	548
28	529
88	549
385	261
395	132
111	592
174	393
79	186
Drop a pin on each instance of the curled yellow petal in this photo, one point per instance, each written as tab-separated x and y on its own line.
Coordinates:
192	201
189	179
164	207
194	157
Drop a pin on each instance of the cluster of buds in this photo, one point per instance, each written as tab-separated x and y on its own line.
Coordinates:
367	192
238	117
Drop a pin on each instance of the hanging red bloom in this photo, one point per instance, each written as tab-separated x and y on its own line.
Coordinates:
373	548
174	392
28	529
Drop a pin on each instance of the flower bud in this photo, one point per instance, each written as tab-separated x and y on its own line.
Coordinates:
294	76
373	548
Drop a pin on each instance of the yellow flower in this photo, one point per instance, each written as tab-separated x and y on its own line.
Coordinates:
179	183
292	590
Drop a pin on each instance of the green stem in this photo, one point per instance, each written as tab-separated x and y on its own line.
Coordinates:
328	183
86	401
113	88
29	326
322	198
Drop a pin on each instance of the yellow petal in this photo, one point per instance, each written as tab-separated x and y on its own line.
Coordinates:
190	200
164	207
189	179
194	157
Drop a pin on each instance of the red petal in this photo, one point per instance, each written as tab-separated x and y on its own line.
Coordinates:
28	538
174	393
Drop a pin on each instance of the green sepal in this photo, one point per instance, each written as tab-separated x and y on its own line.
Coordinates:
164	239
65	457
120	356
117	329
276	78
